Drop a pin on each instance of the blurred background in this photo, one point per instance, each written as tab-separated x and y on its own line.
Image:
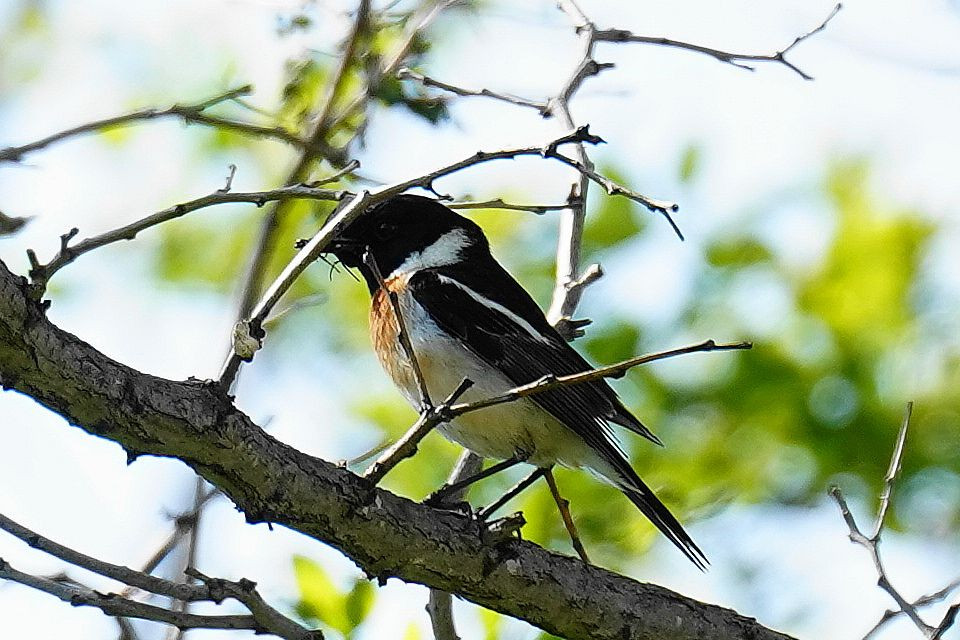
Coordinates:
820	220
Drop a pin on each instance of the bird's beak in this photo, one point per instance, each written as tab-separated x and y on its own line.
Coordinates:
348	250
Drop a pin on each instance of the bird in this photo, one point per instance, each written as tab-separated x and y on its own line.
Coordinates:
466	317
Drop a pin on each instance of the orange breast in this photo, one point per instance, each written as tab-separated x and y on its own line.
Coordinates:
386	342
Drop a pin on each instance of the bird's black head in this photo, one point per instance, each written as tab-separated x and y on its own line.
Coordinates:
407	233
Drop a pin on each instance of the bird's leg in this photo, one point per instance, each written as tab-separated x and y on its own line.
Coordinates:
564	506
484	513
437	496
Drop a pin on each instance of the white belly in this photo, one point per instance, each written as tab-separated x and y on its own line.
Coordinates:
515	428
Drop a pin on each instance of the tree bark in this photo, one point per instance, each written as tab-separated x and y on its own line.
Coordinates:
386	535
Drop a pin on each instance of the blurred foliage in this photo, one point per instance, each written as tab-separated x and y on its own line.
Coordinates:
323	603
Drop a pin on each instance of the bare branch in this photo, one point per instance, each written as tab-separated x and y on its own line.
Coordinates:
611	371
563	506
402	335
116	572
892	472
114	605
418	23
735	59
41	273
923	601
315	147
498	203
406	446
872	543
408	74
189	113
264	618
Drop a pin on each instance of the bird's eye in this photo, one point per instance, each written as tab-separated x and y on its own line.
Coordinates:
385	230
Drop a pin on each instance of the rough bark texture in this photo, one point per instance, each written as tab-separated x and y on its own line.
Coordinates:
387	536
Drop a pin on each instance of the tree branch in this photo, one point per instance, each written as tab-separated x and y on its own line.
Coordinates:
353	209
872	545
189	113
40	274
264	618
114	605
426	81
728	57
386	535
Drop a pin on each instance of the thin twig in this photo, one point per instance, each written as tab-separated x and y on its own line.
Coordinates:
119	573
190	113
892	472
353	209
316	145
570	236
264	619
563	505
728	57
923	601
419	22
549	382
114	605
499	203
402	335
409	74
192	536
41	273
406	446
872	543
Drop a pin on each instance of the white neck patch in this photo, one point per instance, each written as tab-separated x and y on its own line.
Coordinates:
443	251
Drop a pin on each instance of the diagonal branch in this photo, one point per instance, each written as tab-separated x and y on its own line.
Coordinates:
311	250
114	605
40	274
409	74
272	482
264	618
617	370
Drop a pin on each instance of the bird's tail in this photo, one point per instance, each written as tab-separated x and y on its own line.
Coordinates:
626	479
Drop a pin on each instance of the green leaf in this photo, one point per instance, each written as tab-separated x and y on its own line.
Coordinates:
737	252
613	221
320	600
359	602
689	163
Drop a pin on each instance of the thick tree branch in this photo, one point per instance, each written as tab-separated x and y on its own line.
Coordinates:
386	535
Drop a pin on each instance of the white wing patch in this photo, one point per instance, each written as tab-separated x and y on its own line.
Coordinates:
445	250
487	302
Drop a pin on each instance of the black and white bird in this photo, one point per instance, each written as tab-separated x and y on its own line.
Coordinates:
466	317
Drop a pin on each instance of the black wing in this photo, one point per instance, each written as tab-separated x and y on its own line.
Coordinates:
550	354
525	354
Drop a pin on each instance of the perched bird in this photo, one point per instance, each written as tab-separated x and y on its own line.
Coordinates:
466	317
